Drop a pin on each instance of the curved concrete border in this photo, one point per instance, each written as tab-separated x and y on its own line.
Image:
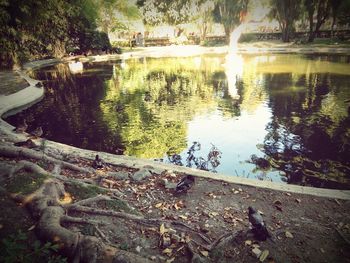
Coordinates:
32	94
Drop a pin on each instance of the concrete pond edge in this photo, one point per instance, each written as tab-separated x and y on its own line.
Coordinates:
32	94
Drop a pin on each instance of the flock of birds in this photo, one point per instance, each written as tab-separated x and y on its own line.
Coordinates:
259	229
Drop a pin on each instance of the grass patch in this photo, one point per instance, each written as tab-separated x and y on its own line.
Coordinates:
12	217
80	192
25	183
88	230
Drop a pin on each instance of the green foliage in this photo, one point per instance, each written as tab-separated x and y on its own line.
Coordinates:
121	43
229	14
172	12
286	12
79	191
25	183
35	29
17	248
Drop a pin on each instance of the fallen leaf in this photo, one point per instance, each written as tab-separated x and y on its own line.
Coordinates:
167	251
177	207
256	252
264	255
248	242
187	239
298	200
289	234
29	229
158	205
67	199
205	253
162	229
183	217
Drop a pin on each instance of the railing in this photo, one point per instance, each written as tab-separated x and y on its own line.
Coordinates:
165	41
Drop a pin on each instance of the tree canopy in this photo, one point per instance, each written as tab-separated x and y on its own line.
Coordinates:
32	29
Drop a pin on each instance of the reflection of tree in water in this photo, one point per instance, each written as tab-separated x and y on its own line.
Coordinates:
208	164
308	138
68	111
157	98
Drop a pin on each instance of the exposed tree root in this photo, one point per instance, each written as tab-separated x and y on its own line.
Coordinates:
18	152
52	215
46	208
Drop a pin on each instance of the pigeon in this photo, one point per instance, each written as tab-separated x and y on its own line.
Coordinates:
98	163
21	127
39	84
37	132
259	227
27	144
185	184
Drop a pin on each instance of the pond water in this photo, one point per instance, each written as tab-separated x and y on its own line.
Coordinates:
278	117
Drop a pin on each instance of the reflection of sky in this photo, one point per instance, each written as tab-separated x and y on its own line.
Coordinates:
236	138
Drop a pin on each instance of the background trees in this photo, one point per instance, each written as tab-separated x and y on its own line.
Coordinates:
32	29
286	12
229	14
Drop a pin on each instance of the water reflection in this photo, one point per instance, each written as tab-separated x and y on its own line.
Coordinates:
292	111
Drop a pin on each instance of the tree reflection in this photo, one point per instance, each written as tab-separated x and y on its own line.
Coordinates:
158	99
307	137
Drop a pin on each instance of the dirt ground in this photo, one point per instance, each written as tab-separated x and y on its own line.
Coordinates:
303	228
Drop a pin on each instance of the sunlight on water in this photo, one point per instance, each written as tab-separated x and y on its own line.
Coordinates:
75	67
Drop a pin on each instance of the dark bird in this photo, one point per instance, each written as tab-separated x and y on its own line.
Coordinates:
98	163
39	84
185	184
21	127
37	132
259	227
27	144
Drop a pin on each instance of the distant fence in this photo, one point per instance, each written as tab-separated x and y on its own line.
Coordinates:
256	36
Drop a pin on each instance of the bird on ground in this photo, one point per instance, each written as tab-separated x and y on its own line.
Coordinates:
37	132
39	84
21	127
259	227
27	144
98	163
185	184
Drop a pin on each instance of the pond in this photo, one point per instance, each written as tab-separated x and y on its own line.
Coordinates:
277	117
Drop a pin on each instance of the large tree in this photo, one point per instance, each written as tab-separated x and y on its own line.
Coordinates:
335	10
320	8
286	12
230	13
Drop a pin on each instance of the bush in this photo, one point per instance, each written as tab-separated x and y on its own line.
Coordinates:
247	38
121	43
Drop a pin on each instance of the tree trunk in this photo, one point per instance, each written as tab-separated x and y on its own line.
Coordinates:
227	34
332	27
311	27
